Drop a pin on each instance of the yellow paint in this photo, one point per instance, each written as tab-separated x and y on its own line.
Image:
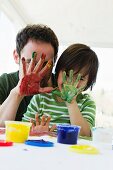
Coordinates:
84	149
17	131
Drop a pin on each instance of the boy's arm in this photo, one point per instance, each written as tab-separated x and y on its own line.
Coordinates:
76	118
69	93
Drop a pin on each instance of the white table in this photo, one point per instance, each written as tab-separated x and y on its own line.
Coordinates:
59	157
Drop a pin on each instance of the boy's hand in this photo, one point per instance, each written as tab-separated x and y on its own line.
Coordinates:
69	88
40	128
30	83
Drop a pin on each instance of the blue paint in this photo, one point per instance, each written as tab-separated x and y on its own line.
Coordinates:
40	143
67	134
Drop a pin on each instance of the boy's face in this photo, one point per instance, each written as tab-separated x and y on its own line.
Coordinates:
39	47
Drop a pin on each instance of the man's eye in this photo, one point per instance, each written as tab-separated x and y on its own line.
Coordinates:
28	62
44	63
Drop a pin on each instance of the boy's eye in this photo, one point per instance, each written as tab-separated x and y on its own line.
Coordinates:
67	74
82	78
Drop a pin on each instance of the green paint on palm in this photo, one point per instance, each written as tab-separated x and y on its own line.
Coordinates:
56	92
69	89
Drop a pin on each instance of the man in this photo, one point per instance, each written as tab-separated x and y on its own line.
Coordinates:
33	38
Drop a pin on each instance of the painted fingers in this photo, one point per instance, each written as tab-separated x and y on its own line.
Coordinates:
41	126
32	63
36	68
70	80
32	76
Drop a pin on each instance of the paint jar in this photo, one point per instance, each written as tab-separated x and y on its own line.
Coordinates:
17	131
67	134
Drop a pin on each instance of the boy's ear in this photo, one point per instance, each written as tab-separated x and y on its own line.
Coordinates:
16	57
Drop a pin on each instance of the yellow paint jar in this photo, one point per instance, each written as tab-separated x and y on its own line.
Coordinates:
17	131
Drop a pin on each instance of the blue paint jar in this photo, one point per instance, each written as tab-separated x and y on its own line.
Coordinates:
67	134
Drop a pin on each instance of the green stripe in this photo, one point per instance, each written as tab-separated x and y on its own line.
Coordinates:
46	103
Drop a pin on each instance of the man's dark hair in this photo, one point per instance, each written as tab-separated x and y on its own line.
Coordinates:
36	32
77	57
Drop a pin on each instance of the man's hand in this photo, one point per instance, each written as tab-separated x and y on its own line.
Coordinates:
30	82
69	88
41	127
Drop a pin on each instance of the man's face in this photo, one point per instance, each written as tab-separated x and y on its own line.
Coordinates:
39	47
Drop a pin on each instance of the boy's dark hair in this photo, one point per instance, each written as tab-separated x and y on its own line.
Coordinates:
39	33
77	57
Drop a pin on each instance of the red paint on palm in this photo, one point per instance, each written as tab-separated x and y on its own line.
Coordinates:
30	84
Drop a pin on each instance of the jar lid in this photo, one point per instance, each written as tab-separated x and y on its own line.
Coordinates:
40	143
84	149
5	143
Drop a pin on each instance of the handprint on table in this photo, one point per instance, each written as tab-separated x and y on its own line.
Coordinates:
30	83
69	87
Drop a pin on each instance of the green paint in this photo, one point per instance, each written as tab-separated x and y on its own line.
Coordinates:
71	76
64	76
77	80
34	54
69	88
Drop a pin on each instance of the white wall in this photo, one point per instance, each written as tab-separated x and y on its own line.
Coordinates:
105	74
7	44
7	64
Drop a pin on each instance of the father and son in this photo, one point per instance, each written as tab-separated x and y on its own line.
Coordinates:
35	94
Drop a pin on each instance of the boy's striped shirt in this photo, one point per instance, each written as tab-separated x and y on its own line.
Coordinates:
47	104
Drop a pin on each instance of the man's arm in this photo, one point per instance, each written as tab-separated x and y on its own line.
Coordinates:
10	106
28	84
